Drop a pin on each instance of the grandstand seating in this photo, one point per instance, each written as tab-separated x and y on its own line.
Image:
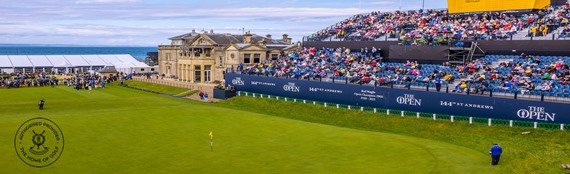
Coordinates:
436	26
520	74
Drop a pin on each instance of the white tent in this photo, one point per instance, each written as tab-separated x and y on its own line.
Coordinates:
5	62
20	61
129	59
68	63
59	61
110	59
76	61
40	61
94	60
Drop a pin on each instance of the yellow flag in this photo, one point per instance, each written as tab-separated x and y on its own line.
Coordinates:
211	134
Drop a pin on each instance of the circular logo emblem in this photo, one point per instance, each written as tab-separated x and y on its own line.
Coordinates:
39	142
232	55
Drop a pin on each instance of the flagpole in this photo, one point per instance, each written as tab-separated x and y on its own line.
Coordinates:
211	134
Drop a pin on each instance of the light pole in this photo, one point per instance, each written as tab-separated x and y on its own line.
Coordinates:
423	4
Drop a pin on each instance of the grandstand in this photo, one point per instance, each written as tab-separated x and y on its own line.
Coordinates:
500	49
508	75
67	63
439	26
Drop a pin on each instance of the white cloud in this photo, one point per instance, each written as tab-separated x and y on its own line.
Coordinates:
382	2
125	21
104	1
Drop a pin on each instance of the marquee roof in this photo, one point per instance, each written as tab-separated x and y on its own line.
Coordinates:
63	61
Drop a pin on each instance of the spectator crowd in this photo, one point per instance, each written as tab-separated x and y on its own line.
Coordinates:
364	67
17	80
437	26
525	74
78	81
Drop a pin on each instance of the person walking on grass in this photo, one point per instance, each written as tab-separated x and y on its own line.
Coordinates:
41	104
495	153
206	97
201	94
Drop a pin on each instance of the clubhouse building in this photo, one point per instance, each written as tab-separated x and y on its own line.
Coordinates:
203	57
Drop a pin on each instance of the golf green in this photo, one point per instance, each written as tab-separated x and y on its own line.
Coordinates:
121	130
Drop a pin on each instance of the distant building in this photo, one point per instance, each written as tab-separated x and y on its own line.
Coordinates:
108	71
203	57
151	58
150	69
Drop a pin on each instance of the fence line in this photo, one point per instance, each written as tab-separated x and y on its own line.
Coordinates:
169	83
451	118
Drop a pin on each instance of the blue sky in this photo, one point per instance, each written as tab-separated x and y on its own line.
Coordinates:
152	22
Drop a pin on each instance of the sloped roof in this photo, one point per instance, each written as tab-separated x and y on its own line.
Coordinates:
64	61
58	61
94	60
226	39
109	59
76	60
291	46
108	69
20	61
40	61
5	62
187	36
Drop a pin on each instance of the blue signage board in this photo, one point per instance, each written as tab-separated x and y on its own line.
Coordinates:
403	99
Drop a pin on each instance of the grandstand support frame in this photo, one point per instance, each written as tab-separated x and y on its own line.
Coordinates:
462	55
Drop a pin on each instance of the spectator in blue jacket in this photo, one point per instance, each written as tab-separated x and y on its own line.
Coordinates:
495	153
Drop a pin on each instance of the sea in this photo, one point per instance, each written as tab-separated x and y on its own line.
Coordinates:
138	53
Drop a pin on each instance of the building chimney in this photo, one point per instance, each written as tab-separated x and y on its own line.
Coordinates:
247	38
263	43
193	30
268	36
286	38
211	31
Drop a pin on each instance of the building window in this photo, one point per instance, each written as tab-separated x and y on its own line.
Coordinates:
221	63
274	56
246	58
207	73
167	56
197	73
152	69
256	58
142	69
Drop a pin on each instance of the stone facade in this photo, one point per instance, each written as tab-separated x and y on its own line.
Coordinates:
203	57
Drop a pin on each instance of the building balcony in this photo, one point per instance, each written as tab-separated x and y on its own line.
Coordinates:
196	56
169	47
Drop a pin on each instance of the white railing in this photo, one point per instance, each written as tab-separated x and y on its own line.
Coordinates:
169	83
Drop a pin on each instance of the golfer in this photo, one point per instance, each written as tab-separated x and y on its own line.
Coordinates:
41	104
495	153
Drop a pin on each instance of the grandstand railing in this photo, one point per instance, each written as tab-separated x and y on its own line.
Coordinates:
387	37
451	118
431	87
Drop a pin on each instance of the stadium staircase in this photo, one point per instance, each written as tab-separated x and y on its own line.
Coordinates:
557	32
523	34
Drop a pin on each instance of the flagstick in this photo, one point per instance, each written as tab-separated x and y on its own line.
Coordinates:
211	145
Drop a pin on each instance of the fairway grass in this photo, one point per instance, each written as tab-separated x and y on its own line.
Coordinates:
541	151
121	130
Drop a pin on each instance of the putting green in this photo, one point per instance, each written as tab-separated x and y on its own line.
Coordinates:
120	130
